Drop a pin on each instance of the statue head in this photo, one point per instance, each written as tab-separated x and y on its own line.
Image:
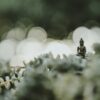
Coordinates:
81	42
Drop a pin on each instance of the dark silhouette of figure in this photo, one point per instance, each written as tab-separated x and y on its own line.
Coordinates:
81	50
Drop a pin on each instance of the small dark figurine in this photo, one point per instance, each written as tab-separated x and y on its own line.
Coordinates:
81	50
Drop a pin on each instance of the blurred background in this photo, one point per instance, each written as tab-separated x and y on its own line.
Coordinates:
38	48
57	17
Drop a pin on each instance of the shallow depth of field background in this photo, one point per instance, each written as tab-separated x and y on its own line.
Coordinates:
38	47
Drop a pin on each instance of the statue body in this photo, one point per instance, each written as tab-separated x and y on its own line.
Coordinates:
81	50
